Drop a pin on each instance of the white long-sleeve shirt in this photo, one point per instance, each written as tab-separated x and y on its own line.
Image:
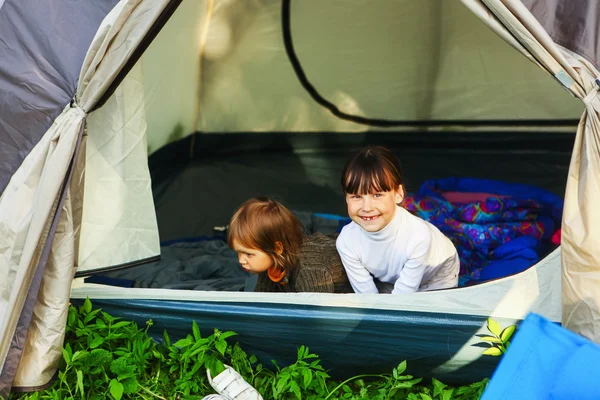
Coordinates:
409	253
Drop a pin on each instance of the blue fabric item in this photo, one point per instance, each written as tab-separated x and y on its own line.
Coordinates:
546	361
511	258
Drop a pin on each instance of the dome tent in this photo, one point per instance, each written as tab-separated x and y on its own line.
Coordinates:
50	210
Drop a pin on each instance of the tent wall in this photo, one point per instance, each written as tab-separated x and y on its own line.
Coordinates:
171	67
431	60
38	77
573	24
119	222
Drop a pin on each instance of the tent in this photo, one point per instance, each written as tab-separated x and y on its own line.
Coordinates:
88	92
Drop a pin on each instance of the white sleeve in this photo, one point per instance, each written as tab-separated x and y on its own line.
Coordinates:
413	270
360	279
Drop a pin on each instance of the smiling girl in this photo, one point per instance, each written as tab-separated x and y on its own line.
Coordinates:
270	241
385	248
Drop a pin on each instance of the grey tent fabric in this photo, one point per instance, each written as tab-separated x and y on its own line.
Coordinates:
34	187
574	24
46	69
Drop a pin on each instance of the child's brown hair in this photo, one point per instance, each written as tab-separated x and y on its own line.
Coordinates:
260	223
372	169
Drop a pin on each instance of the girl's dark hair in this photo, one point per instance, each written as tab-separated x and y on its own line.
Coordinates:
260	223
372	169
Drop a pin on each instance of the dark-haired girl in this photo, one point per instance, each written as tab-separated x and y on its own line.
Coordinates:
385	248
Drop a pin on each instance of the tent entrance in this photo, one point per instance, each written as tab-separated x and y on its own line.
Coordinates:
194	198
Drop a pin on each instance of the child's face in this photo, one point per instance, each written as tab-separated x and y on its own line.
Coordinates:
373	211
252	260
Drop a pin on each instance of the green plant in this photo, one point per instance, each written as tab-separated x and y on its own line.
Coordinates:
499	340
104	357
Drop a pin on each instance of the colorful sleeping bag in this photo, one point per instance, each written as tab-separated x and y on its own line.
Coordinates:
498	228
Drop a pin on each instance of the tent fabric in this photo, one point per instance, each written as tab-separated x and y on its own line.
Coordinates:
573	24
28	204
581	261
119	34
119	224
30	200
535	288
248	83
546	361
349	340
31	65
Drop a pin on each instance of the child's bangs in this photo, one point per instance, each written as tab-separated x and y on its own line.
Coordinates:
242	230
371	179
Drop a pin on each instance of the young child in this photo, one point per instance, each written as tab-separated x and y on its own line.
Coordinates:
385	248
270	241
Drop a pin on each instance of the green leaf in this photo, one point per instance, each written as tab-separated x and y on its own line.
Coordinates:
67	353
116	389
492	339
425	396
87	306
72	316
90	316
183	342
130	386
306	378
120	324
109	318
217	367
407	384
98	357
121	367
196	331
300	352
227	334
281	383
296	390
447	394
507	333
493	351
96	341
221	346
401	367
493	327
78	354
438	387
166	337
80	383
